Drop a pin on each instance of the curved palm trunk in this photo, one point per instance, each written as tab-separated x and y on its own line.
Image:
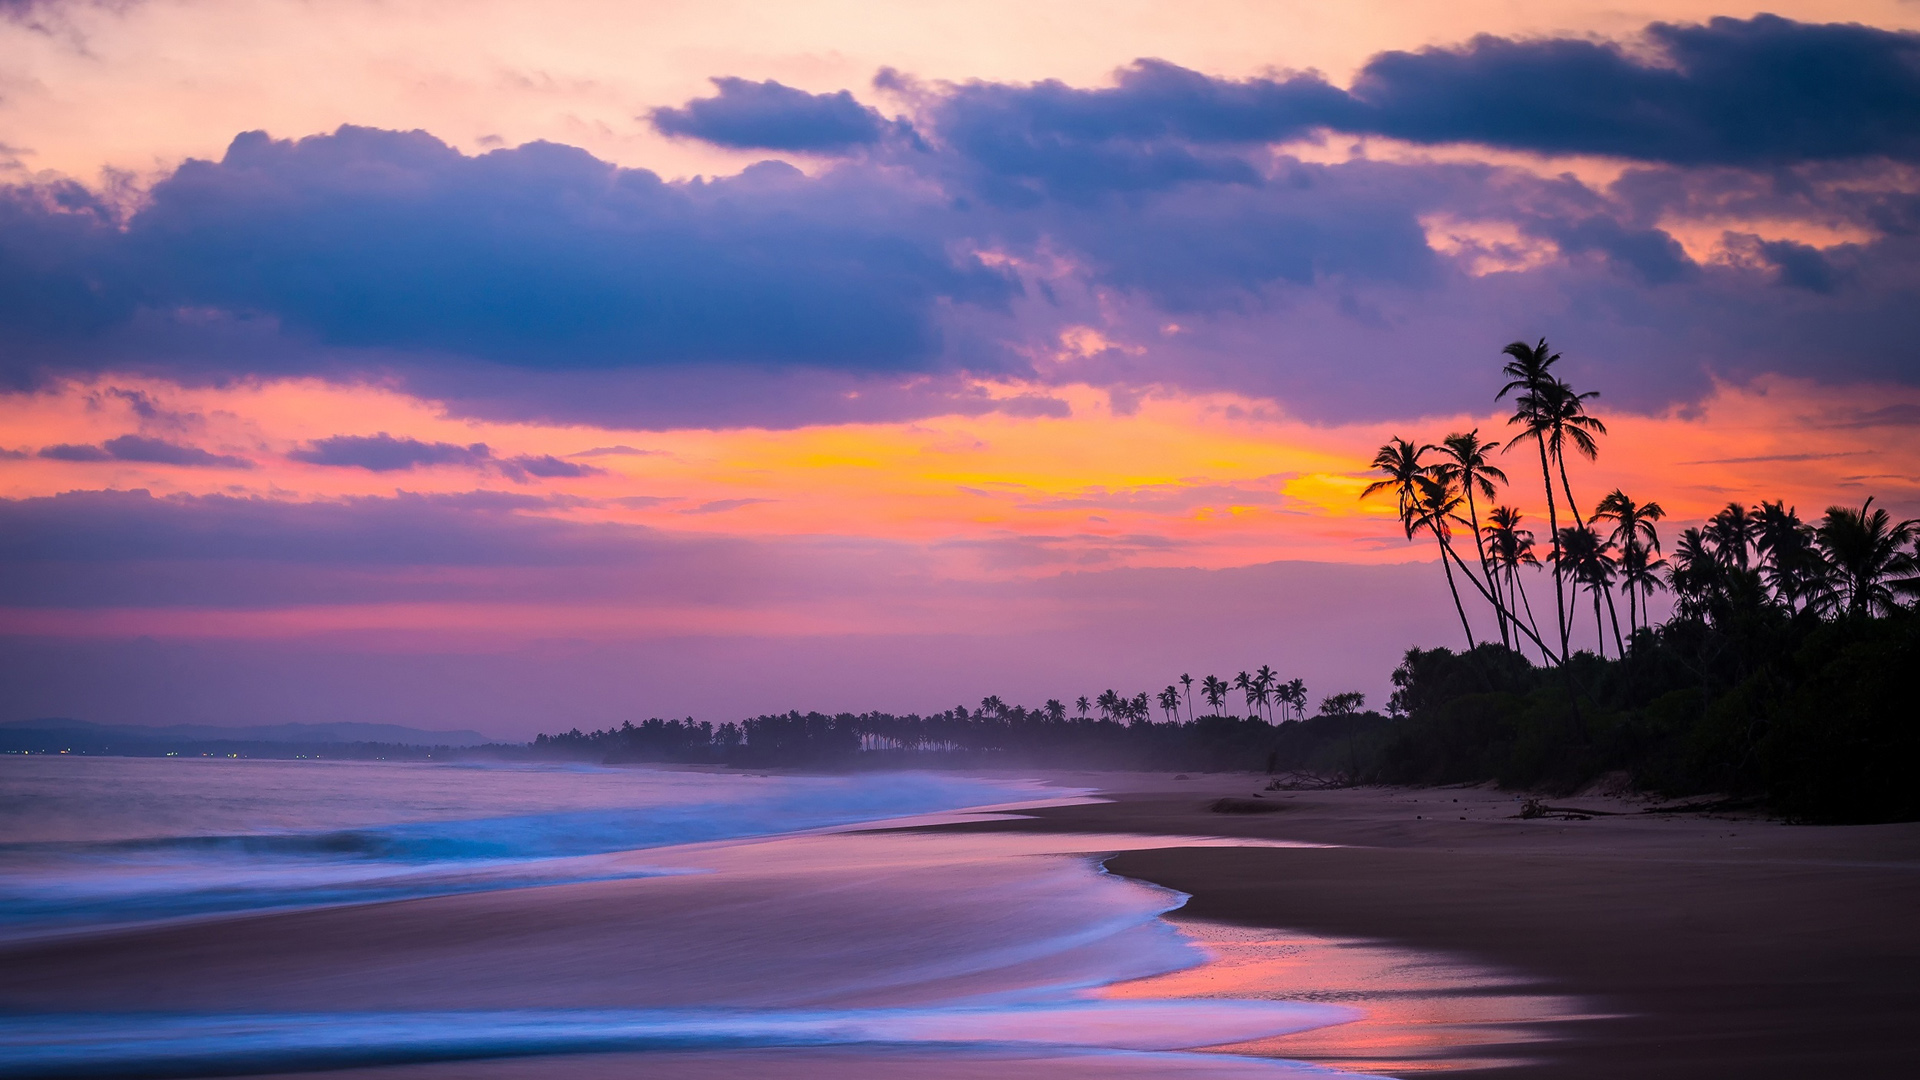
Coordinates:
1553	530
1489	598
1520	587
1599	628
1486	571
1457	605
1560	459
1613	614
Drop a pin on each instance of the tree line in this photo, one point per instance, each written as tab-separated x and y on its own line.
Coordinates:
1782	675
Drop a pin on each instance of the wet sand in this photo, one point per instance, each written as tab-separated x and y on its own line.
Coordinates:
1724	946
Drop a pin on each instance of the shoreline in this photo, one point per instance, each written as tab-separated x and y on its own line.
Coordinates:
1707	945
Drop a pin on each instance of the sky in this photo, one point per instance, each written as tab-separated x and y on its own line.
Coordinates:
522	367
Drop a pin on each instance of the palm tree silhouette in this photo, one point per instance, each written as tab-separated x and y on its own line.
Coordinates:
1731	531
1590	562
1170	704
1083	705
1297	693
1529	371
1466	467
1869	567
1417	495
1634	534
1186	683
1263	685
1640	576
1696	577
1511	548
1243	682
1791	563
1215	691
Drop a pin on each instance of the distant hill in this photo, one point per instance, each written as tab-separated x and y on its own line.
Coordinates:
95	738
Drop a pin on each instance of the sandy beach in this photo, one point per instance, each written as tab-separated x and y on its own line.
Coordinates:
1721	945
1625	944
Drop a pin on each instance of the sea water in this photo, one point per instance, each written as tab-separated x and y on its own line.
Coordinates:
189	917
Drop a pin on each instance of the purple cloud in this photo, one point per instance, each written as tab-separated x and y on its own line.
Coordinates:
769	116
384	453
884	287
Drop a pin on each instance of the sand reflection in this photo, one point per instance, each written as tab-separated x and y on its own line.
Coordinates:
1423	1012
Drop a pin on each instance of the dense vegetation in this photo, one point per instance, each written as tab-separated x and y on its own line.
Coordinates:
1784	675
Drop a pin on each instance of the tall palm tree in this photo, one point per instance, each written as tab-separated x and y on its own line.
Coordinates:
1400	460
1870	568
1633	531
1081	703
1243	682
1564	413
1169	702
1433	509
1297	694
1591	563
1186	683
1529	371
1467	467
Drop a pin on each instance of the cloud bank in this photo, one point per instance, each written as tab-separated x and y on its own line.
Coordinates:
1765	221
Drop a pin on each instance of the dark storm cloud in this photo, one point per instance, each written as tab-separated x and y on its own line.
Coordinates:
769	116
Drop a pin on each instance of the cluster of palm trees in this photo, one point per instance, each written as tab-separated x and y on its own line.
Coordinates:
1852	562
1265	692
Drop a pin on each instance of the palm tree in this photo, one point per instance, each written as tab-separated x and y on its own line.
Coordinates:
1633	531
1696	576
1081	703
1297	695
993	706
1215	691
1263	685
1466	467
1400	460
1590	562
1169	702
1511	547
1243	682
1640	576
1433	510
1530	371
1731	531
1057	712
1869	567
1186	683
1565	415
1791	562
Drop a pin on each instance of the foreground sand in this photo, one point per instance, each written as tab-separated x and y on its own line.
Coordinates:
1727	946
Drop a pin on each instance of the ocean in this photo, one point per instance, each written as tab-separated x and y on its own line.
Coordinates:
232	917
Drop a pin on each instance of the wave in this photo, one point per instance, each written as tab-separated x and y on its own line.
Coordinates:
47	884
96	1045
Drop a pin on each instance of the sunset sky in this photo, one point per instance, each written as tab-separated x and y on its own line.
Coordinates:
518	367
